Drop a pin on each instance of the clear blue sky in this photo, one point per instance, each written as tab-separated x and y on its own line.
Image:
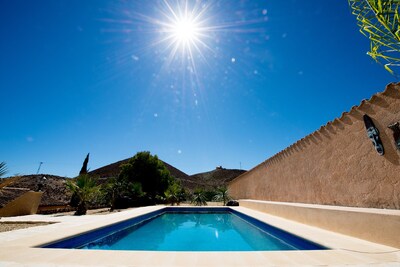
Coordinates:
95	76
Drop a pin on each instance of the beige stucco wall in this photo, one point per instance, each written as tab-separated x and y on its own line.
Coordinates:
376	225
26	204
336	165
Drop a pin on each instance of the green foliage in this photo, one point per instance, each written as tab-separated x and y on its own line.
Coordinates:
379	21
110	192
209	194
85	189
199	198
84	168
222	195
149	172
3	168
175	193
116	191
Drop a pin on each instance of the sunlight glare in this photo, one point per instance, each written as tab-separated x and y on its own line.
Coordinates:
185	31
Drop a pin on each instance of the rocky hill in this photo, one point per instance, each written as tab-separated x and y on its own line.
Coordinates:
56	196
53	187
206	180
112	170
212	179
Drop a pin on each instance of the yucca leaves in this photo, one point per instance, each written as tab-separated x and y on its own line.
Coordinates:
174	193
3	168
379	20
199	198
85	189
222	195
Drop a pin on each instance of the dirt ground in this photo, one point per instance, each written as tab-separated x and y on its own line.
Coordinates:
10	226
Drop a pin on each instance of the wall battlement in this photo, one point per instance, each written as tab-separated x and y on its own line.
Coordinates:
326	162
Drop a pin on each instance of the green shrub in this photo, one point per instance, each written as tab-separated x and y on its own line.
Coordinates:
175	194
199	198
150	173
221	195
85	190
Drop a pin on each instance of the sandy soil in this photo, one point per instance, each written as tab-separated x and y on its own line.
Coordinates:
10	226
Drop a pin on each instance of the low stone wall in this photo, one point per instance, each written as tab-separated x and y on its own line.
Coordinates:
336	165
375	225
26	204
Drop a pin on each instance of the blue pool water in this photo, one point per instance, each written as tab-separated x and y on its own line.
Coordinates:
188	229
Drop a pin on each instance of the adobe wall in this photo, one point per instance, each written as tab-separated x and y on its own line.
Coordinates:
376	225
335	165
25	204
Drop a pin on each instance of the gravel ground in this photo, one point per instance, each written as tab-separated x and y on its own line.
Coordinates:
10	226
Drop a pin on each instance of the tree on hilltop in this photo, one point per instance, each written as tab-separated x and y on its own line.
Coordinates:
150	173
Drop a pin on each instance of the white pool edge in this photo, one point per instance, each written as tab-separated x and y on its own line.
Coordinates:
17	247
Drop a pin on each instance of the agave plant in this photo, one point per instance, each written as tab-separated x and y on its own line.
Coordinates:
8	181
379	21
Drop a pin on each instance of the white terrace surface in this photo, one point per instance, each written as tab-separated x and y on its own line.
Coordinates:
17	248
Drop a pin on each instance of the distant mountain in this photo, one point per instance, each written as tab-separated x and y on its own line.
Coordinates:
212	179
56	195
205	180
112	170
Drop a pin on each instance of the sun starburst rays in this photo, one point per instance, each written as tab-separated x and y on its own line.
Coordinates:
185	30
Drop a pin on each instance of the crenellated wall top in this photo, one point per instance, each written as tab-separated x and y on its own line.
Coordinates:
392	90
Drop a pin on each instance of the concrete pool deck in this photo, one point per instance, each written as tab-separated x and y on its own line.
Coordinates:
19	247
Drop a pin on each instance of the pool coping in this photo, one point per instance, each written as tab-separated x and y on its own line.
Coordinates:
19	247
289	241
380	226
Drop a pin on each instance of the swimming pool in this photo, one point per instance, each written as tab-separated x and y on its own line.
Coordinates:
189	229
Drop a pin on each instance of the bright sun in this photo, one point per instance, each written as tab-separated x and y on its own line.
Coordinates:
185	31
184	28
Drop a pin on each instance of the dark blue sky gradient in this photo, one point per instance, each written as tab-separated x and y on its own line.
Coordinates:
86	76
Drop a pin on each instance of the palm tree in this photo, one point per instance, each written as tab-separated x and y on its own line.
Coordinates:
8	181
199	198
175	194
111	191
222	195
379	20
85	189
3	169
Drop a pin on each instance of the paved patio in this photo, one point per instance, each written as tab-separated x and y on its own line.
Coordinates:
19	247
